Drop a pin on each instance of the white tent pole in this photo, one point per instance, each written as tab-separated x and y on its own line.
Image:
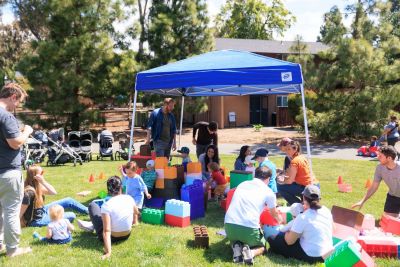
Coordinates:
132	124
180	124
303	100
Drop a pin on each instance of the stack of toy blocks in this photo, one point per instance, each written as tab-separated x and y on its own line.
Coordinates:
194	194
153	216
379	246
193	172
177	213
390	224
201	238
345	254
180	174
166	182
144	155
159	164
237	177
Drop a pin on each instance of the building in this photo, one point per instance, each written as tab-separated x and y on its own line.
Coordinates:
268	110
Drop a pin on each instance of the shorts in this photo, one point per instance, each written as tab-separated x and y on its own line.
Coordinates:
392	204
250	236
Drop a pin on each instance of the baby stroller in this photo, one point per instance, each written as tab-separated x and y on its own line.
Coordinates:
33	151
106	140
81	144
60	153
123	151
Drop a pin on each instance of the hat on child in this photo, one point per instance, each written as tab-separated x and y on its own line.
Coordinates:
312	192
150	163
284	142
184	150
296	209
261	152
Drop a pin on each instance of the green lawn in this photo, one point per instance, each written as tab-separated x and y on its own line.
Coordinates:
166	246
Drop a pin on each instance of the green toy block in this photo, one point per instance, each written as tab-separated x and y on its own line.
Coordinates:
153	216
345	255
289	217
237	177
335	240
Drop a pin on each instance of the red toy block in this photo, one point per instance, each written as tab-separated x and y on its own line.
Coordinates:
390	224
366	260
267	219
177	221
341	231
229	197
379	247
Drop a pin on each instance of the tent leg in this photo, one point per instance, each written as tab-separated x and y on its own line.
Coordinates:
180	123
132	125
303	100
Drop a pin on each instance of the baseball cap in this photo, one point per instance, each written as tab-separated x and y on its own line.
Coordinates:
261	152
150	163
312	192
184	149
284	142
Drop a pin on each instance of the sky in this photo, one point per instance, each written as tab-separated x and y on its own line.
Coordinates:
308	13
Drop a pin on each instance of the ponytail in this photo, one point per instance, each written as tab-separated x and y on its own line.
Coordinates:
314	203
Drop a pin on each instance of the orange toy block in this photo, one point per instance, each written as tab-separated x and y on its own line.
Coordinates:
170	173
340	180
390	224
345	188
368	184
194	167
91	178
161	163
160	183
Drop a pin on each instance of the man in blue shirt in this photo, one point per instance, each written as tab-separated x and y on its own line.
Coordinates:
162	129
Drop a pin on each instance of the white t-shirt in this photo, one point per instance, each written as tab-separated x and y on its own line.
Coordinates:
59	229
120	210
315	228
248	202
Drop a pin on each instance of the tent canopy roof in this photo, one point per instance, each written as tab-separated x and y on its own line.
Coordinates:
222	73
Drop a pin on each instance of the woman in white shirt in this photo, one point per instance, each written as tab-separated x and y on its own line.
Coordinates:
113	220
310	236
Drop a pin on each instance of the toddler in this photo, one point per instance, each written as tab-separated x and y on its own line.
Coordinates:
149	175
272	228
135	186
218	178
184	154
59	229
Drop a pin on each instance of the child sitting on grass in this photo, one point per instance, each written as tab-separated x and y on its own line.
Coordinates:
135	186
59	229
218	178
149	175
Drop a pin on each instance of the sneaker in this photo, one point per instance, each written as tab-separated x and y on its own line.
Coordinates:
37	236
237	252
248	256
85	226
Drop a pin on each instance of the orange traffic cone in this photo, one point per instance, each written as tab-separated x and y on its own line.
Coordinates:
340	180
368	184
101	176
91	178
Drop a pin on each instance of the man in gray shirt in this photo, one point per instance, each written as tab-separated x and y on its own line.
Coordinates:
389	171
11	184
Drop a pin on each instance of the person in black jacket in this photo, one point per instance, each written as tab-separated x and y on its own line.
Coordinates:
206	135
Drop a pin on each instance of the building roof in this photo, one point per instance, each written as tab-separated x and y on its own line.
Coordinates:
266	46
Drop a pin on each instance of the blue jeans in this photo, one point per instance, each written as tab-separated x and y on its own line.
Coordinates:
66	203
163	149
59	242
292	193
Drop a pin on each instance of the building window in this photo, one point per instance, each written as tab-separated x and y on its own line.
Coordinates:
281	101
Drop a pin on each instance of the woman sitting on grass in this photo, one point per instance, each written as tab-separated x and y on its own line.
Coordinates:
240	163
211	155
113	220
33	211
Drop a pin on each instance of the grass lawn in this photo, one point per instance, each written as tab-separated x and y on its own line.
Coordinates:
166	246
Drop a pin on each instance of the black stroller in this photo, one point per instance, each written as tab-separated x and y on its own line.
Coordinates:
123	151
33	151
81	144
60	153
106	141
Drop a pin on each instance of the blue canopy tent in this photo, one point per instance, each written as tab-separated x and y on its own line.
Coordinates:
222	73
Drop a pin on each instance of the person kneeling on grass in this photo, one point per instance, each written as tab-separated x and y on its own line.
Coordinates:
113	221
242	220
310	236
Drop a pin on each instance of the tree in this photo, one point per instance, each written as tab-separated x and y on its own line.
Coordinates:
178	29
143	8
333	29
75	66
253	19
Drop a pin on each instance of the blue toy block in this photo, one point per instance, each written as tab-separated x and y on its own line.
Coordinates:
194	194
177	208
192	177
154	202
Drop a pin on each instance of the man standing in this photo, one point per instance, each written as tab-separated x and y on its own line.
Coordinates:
207	135
162	129
11	184
389	171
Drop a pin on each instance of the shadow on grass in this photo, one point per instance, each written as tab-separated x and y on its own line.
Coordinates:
218	251
85	240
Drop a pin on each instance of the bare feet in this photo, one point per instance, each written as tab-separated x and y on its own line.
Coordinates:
19	251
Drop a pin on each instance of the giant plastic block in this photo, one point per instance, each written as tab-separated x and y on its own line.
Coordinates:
267	219
153	216
177	221
160	173
140	160
154	202
194	194
171	184
365	261
347	217
345	255
191	177
379	246
177	208
193	167
201	238
159	183
160	162
342	232
368	222
229	197
390	224
237	177
180	174
170	173
145	150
